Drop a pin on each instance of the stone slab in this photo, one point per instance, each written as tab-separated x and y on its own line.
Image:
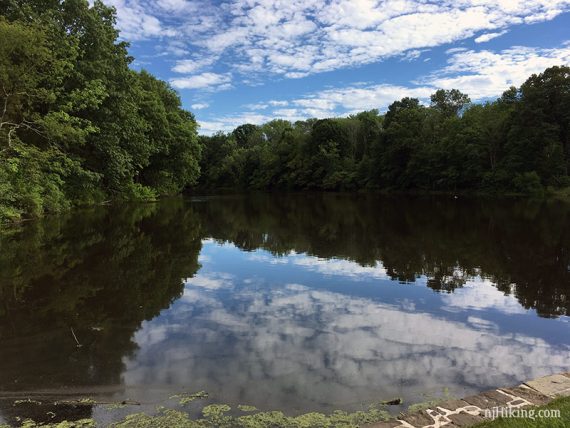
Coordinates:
528	394
452	404
557	385
418	419
497	396
483	401
465	419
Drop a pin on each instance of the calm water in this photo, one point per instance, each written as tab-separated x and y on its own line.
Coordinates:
296	302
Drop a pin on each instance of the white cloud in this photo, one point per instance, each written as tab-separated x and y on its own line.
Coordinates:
483	74
322	104
201	81
357	98
173	5
295	38
200	106
455	50
176	48
192	65
412	54
256	106
136	22
488	36
480	74
228	123
295	75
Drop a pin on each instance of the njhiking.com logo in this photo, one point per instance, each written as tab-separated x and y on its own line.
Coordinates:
509	412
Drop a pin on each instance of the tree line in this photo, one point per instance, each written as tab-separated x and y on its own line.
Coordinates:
78	126
518	143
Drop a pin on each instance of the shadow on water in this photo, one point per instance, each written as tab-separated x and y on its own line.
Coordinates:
74	289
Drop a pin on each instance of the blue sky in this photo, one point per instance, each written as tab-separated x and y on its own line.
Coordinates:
252	61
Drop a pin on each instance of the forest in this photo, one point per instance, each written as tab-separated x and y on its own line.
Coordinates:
518	143
79	126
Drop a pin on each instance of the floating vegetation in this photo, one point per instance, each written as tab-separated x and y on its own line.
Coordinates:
82	423
222	416
80	402
27	401
245	408
217	415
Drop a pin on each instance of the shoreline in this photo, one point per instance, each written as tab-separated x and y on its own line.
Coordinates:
476	409
560	195
469	411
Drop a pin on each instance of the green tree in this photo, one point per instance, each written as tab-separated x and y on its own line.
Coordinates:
402	139
538	138
449	102
242	134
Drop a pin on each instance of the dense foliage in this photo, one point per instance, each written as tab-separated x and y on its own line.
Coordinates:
518	143
77	125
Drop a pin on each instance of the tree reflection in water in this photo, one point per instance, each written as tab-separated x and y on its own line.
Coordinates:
305	303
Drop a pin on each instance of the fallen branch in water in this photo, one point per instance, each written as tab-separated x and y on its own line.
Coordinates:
79	345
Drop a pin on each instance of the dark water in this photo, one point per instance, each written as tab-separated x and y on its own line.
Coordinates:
293	302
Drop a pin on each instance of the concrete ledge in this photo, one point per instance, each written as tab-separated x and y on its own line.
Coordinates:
553	386
471	410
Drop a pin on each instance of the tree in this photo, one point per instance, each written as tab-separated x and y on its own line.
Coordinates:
32	165
242	134
403	124
538	136
449	102
173	162
404	104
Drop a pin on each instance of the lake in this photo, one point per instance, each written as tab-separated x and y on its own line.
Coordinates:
297	302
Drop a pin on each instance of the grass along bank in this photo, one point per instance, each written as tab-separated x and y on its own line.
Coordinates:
538	421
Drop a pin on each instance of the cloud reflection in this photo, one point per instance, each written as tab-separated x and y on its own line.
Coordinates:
288	346
482	294
332	266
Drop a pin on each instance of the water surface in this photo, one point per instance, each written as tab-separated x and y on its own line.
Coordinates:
296	302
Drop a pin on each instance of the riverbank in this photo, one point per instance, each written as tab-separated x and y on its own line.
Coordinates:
477	409
540	402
